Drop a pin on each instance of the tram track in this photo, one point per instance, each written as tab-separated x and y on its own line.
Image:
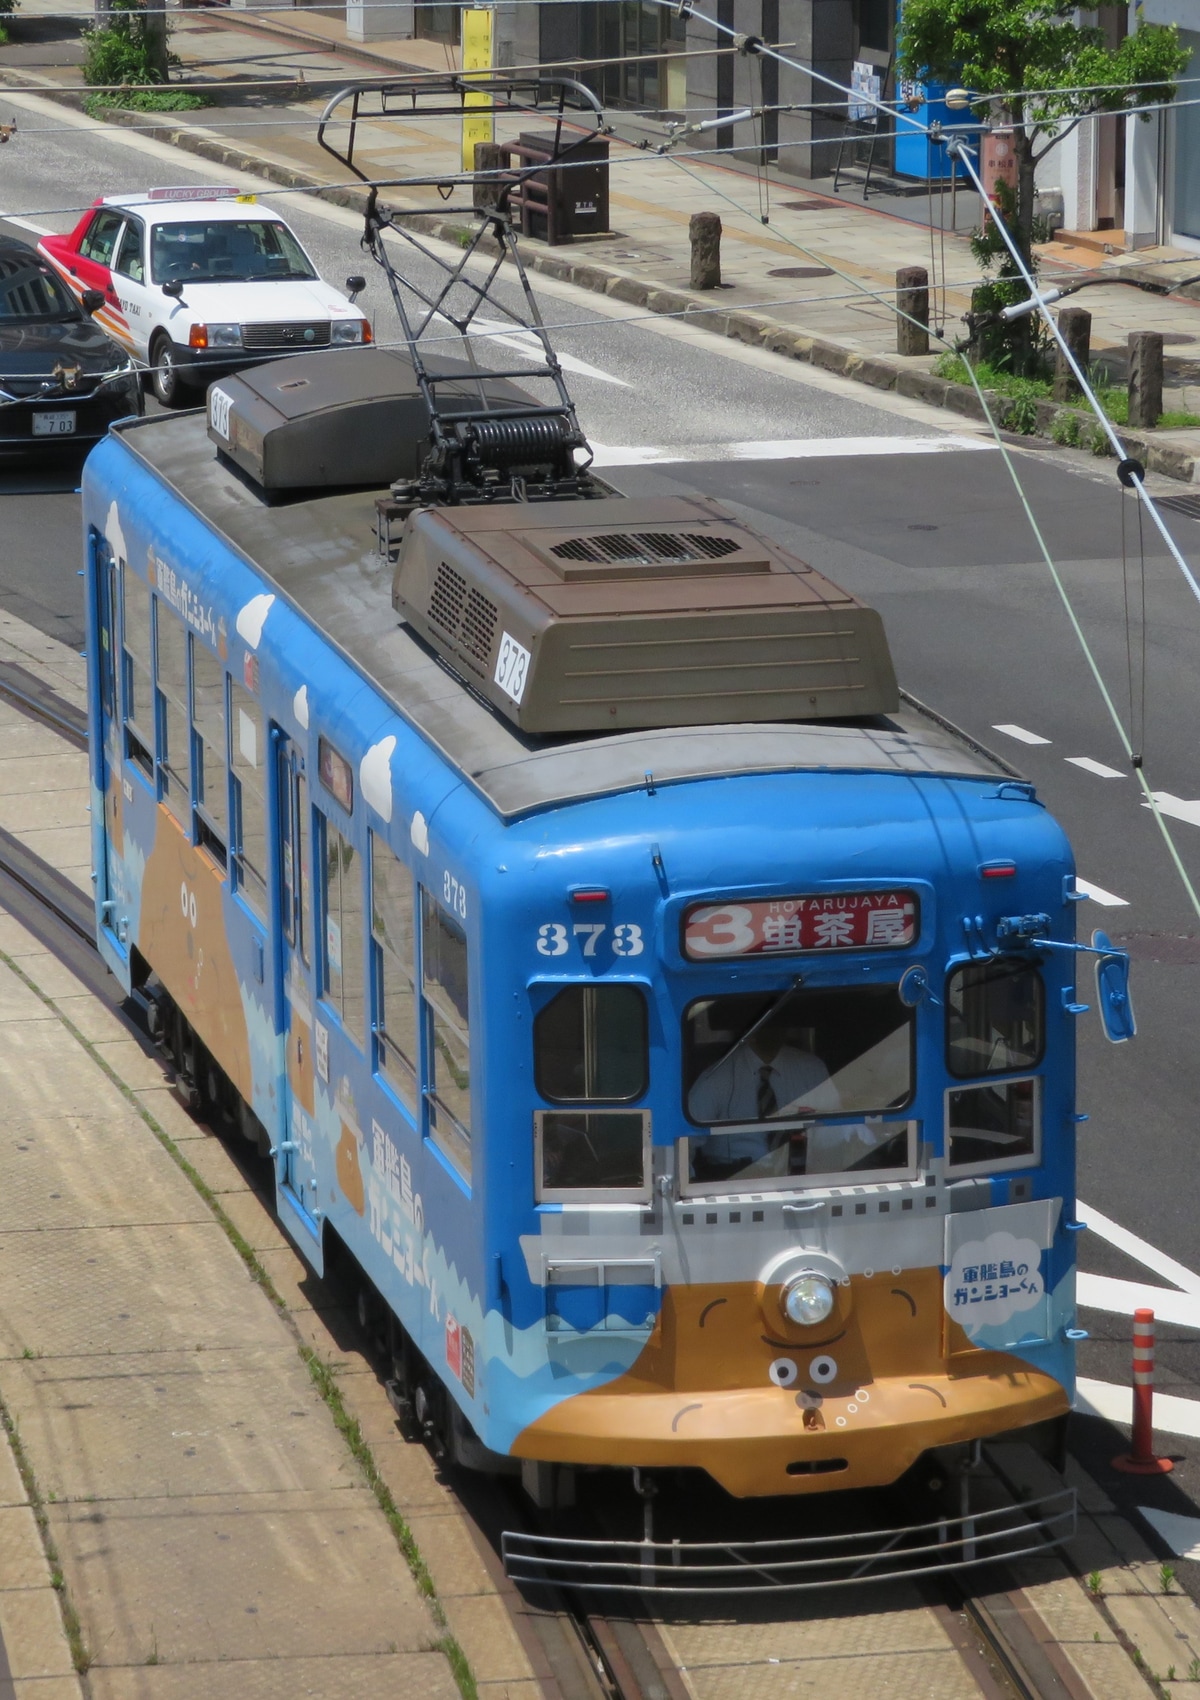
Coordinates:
580	1647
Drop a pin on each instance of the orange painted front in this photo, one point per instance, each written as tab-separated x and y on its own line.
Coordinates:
701	1394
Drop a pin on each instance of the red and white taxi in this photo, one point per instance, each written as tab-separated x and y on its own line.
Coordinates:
199	282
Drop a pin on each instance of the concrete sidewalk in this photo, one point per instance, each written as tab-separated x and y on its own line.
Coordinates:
815	281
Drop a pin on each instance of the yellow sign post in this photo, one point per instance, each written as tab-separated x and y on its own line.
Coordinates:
477	39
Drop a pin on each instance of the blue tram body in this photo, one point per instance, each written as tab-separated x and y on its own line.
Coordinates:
484	997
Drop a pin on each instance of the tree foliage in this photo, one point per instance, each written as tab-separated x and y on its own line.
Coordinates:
124	48
1052	73
1013	46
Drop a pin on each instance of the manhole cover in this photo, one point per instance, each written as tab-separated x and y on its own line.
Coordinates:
800	271
806	206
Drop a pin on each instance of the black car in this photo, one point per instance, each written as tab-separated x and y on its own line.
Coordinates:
62	381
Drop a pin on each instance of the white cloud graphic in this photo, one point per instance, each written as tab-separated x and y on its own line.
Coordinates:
300	707
419	833
253	617
992	1279
375	776
114	535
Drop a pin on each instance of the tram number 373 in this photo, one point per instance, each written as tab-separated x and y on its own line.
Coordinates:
626	939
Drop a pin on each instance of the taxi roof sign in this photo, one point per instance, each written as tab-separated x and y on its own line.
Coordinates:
197	192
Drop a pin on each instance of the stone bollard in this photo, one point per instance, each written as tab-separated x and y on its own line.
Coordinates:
489	156
1075	323
704	234
912	302
1145	379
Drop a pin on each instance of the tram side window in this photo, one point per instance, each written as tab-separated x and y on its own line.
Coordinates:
211	748
249	798
394	973
994	1126
171	670
995	1024
995	1018
137	682
447	1012
342	954
590	1046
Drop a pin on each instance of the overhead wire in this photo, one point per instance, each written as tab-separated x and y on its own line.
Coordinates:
1137	765
1125	735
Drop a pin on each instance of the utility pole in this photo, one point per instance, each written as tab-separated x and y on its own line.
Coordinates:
155	37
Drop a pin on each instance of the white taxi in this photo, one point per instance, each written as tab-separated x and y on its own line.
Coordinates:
199	282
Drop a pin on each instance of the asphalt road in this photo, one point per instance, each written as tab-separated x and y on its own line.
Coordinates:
940	543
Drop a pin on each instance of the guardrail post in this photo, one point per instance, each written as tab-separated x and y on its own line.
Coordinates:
1145	379
704	234
1075	323
912	302
490	157
1140	1459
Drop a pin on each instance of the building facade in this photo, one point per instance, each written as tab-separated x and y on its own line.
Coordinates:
646	59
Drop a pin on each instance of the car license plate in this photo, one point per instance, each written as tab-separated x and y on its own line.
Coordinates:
53	424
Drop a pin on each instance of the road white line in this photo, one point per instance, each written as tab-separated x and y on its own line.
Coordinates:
28	224
1096	767
1181	1534
786	448
1122	1298
1140	1250
1177	807
1097	893
1172	1415
1020	734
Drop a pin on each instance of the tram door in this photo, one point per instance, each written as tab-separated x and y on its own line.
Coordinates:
108	757
296	974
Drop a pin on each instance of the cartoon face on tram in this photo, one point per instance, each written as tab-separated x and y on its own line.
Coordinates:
691	1095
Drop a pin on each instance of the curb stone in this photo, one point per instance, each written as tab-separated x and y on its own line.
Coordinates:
877	371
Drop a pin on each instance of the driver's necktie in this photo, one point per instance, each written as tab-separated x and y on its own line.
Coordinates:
768	1103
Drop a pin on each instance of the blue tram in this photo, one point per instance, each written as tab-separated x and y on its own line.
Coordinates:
665	1042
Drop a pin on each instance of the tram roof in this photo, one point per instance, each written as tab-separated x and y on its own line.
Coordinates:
320	555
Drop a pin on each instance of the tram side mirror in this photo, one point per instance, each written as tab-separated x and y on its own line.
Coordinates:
914	987
1112	989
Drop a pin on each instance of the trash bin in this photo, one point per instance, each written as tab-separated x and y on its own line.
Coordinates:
568	200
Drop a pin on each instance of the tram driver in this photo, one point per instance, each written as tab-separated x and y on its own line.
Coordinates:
772	1086
771	1073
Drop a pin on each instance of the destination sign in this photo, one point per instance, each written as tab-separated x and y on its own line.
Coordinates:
780	926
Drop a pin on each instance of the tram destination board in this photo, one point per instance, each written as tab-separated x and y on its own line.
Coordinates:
778	926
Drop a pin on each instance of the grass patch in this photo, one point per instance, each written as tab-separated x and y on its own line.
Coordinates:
1069	427
143	100
81	1658
321	1373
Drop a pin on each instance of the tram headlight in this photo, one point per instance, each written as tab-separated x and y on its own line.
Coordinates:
806	1300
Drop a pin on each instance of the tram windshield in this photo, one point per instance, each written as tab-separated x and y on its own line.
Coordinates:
775	1069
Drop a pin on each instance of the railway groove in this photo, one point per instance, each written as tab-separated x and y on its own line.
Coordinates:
578	1652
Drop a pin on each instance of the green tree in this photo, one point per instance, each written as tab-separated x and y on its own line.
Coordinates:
1021	49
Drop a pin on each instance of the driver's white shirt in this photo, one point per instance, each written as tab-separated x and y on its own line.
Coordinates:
728	1091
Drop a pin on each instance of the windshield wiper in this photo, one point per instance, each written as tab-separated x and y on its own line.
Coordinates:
772	1008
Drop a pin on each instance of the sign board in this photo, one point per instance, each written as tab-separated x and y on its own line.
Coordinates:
782	926
864	80
998	164
478	24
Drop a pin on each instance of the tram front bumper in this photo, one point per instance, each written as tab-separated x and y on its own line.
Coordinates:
762	1441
